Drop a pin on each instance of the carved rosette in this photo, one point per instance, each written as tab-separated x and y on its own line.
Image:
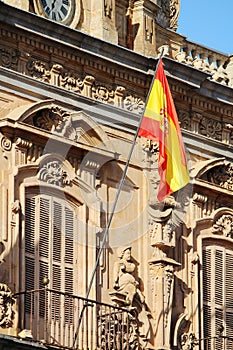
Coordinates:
54	173
6	306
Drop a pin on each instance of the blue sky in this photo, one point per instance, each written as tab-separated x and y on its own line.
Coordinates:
208	22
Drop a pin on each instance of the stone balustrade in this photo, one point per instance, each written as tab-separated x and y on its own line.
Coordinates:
218	64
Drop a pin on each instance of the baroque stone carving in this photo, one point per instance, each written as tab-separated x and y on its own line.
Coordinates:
55	120
224	226
124	280
222	176
188	341
169	13
101	93
174	14
134	104
211	128
53	173
127	290
70	82
6	303
39	70
8	57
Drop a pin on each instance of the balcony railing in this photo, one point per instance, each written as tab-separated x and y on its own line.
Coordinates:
70	322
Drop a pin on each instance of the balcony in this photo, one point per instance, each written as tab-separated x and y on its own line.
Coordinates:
65	321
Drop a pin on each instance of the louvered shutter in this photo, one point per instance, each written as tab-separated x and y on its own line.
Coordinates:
218	310
29	251
49	252
229	298
207	293
30	225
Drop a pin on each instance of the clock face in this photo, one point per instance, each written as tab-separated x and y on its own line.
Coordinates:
57	10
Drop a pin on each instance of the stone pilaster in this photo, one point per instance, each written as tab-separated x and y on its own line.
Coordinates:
143	21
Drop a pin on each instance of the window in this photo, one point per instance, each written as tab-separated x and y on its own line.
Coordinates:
218	296
50	227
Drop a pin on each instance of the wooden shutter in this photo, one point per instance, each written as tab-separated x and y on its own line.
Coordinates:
49	251
217	295
229	298
207	293
30	225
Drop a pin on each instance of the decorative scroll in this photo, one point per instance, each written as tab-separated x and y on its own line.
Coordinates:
133	104
211	128
6	143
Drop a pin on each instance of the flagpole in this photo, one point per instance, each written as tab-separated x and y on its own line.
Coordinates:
121	185
118	194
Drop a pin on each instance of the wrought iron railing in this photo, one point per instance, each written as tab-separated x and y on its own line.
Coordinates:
71	322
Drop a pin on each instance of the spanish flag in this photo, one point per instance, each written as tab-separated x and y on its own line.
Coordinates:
160	123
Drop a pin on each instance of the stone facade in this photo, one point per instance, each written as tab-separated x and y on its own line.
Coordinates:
70	99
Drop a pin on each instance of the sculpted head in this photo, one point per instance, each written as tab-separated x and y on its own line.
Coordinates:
124	253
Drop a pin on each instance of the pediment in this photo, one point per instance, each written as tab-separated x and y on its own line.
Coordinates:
218	225
51	118
218	172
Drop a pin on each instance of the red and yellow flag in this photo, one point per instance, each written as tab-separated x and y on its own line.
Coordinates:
160	123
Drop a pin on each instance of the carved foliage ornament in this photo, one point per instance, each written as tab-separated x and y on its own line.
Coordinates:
224	226
54	120
222	176
53	173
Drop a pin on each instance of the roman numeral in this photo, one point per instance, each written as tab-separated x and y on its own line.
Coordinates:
44	3
47	10
64	10
54	16
65	2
